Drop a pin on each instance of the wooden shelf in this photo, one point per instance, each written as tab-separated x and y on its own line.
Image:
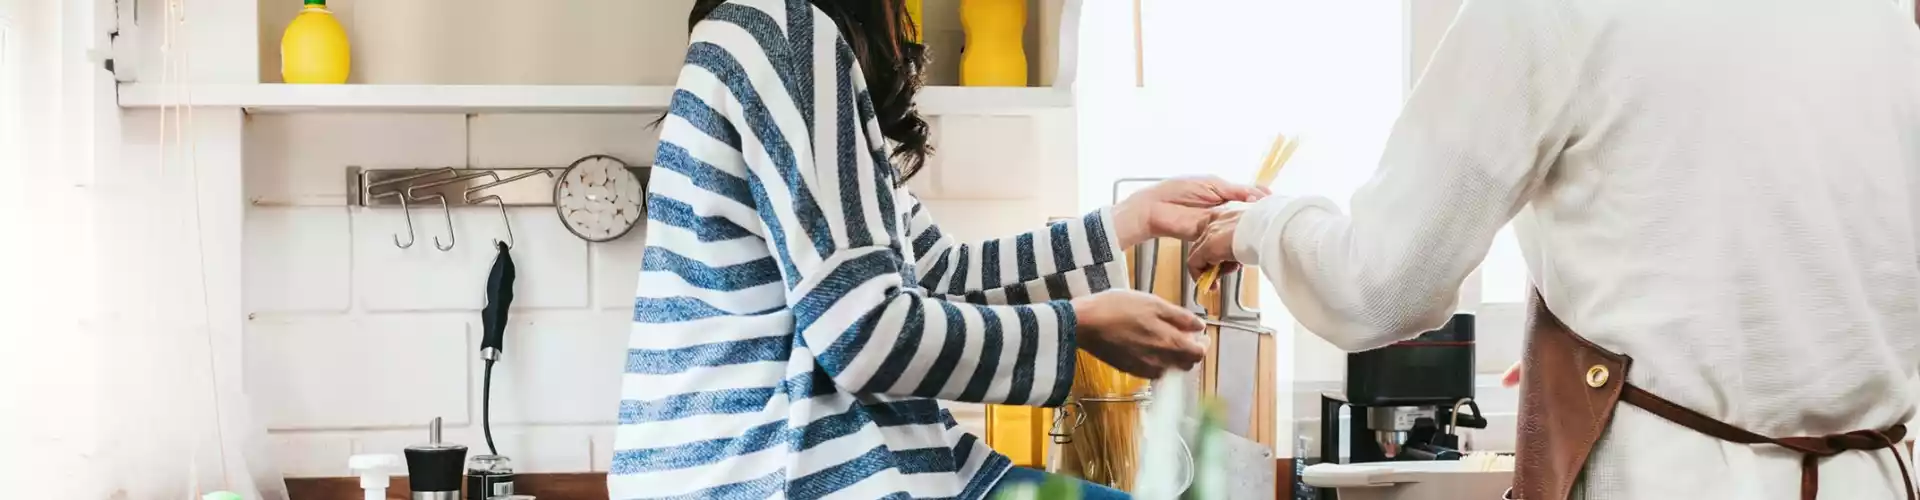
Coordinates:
286	98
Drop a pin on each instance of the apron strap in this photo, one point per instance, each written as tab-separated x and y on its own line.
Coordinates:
1552	456
1812	449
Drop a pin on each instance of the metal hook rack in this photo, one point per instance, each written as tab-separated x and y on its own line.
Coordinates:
453	188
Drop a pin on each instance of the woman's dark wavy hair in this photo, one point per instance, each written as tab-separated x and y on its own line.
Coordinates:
881	33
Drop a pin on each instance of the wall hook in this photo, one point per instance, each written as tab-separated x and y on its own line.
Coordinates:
408	214
504	220
448	212
444	208
404	209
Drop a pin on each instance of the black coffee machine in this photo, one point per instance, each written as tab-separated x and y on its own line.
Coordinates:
1407	400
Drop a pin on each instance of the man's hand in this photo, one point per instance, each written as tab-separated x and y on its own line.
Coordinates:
1137	333
1177	208
1216	244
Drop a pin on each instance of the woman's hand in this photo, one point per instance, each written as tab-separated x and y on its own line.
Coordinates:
1216	244
1138	333
1177	208
1512	377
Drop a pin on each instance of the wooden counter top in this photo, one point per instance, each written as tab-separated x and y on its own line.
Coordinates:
548	486
561	486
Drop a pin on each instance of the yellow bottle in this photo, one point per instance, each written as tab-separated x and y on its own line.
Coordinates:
314	48
1020	433
919	25
993	56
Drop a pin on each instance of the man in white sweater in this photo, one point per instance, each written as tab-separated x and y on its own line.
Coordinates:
1727	191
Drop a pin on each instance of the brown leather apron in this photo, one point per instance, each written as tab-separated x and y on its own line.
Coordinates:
1568	390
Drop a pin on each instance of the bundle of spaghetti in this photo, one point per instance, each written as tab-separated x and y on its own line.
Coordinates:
1106	446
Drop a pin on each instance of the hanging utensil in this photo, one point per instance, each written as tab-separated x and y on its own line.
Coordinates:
493	327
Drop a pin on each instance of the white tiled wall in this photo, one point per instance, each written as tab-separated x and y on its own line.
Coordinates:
352	345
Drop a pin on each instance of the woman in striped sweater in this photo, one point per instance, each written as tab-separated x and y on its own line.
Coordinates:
798	312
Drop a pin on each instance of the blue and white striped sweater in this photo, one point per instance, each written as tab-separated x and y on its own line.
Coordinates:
798	315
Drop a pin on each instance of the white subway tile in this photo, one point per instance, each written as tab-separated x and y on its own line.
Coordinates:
979	220
396	441
528	140
987	158
303	157
420	277
331	372
532	449
545	449
303	455
1056	160
558	368
616	269
550	263
923	184
297	259
602	448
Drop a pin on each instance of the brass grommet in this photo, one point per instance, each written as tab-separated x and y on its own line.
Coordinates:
1596	376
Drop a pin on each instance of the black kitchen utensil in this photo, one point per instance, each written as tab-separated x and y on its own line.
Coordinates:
493	327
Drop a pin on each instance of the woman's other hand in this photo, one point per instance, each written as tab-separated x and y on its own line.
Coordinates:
1216	244
1177	208
1512	377
1137	333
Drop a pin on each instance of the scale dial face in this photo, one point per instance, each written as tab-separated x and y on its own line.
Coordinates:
599	198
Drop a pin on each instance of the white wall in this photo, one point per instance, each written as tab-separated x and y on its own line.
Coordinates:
353	344
47	379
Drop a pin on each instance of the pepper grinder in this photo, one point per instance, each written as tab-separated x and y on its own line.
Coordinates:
434	469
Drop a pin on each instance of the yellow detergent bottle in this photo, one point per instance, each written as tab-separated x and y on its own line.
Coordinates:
314	48
993	56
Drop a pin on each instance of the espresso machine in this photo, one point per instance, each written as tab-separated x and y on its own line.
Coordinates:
1406	401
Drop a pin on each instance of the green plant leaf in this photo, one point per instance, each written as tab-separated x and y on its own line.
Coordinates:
1060	487
1017	492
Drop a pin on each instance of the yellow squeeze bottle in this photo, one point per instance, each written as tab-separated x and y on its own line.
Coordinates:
919	26
314	48
993	56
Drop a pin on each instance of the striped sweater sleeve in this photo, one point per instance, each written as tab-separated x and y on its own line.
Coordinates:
1066	259
823	189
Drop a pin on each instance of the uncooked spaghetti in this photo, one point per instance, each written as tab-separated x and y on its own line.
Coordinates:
1106	448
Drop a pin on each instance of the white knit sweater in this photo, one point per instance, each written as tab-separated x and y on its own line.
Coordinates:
1726	190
